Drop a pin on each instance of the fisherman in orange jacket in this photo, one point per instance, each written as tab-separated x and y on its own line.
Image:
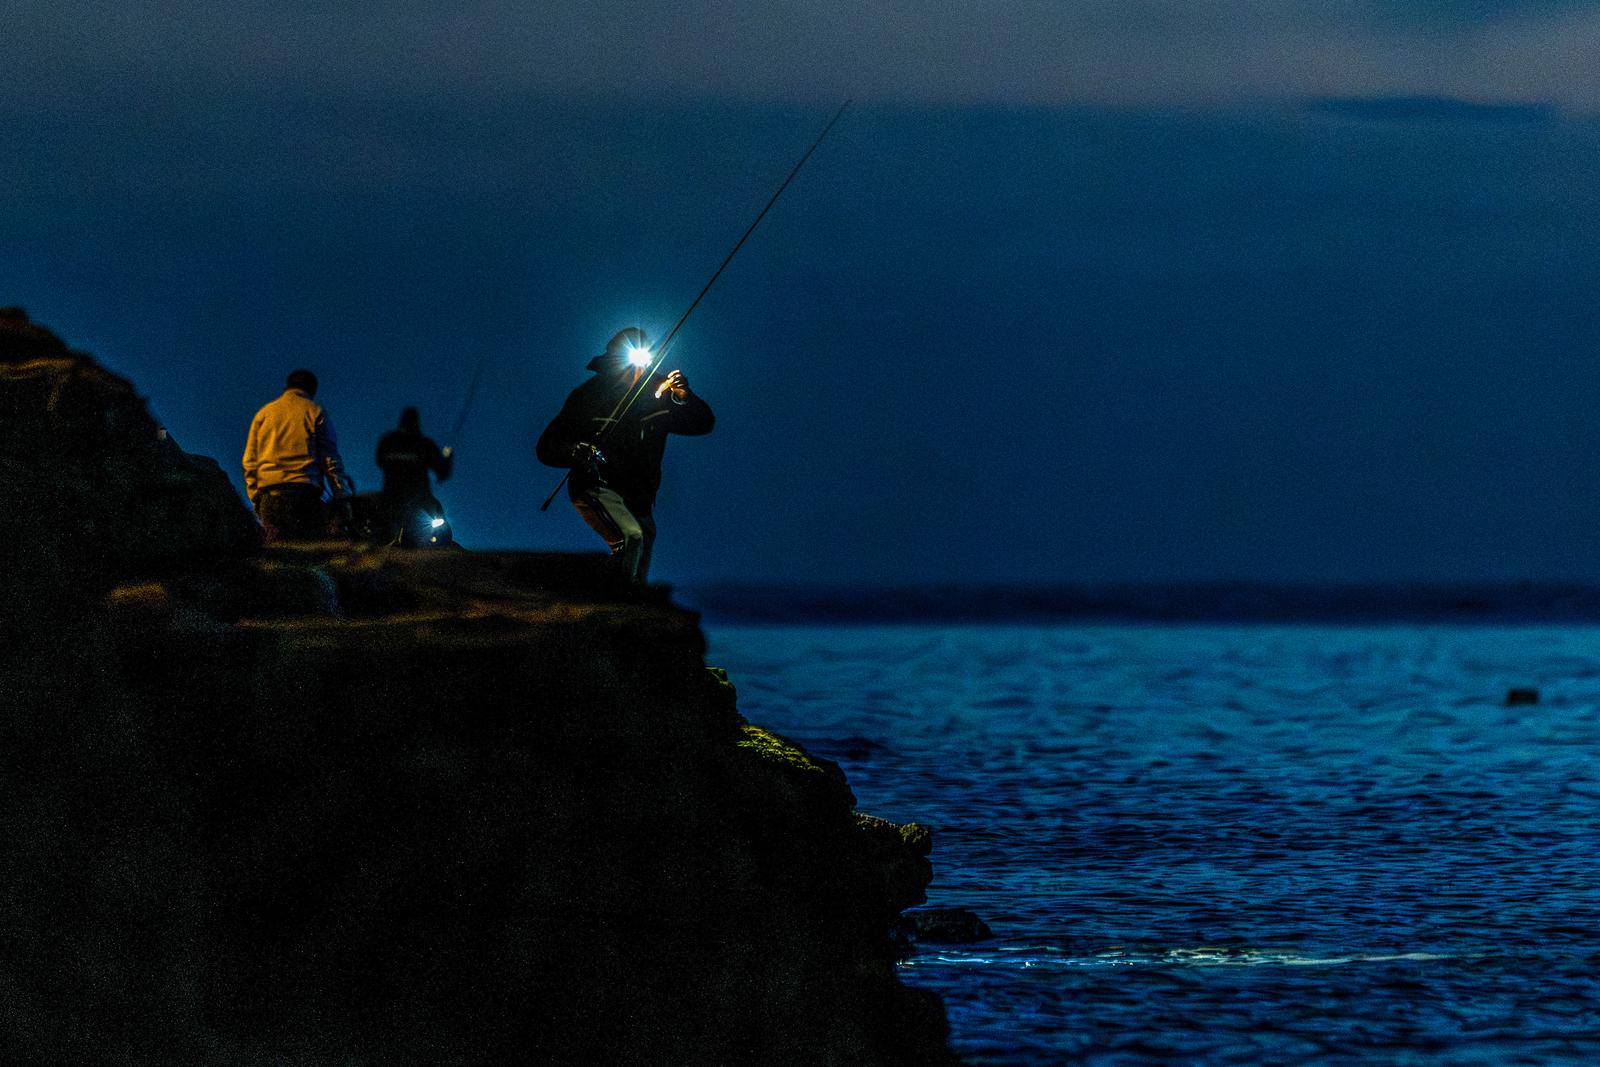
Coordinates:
291	462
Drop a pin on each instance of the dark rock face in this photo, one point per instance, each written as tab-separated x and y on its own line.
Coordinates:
328	805
92	486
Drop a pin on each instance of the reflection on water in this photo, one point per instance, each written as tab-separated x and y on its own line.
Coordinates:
1015	956
1229	844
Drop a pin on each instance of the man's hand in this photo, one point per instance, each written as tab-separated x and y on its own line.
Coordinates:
677	384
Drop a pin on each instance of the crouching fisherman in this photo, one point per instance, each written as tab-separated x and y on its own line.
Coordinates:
411	514
614	449
291	462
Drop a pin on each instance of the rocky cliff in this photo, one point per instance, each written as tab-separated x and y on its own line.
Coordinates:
342	805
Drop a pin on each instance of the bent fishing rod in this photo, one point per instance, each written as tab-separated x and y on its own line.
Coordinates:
466	406
626	401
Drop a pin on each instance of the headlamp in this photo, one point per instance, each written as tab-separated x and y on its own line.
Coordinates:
437	523
639	357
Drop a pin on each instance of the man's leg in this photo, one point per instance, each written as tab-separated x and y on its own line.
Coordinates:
403	518
271	513
386	527
292	513
647	527
607	515
310	518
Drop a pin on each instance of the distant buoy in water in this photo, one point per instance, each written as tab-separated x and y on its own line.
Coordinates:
1520	696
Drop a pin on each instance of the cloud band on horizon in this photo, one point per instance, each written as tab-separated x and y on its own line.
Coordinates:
1018	52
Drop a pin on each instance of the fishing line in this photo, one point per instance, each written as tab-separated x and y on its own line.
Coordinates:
661	357
633	392
472	392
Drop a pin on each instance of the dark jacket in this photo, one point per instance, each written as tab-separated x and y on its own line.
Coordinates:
406	457
633	448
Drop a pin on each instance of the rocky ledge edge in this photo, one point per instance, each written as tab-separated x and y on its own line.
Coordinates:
342	805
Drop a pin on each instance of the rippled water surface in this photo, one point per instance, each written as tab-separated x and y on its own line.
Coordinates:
1229	844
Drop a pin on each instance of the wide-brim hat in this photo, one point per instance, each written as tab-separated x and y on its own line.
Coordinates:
617	348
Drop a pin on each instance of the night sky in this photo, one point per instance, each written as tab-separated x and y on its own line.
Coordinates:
1134	291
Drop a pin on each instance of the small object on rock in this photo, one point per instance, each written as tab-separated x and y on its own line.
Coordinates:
1521	695
945	926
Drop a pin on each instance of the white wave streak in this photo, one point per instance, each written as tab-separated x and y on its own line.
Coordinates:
1179	957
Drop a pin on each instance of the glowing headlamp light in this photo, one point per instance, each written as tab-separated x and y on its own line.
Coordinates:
639	357
437	523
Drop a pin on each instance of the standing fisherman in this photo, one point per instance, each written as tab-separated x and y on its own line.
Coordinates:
291	461
614	486
406	455
615	493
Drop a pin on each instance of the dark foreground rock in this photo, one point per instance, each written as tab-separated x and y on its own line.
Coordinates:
91	486
340	806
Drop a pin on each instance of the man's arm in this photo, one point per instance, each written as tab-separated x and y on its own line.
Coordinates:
691	416
252	460
443	462
555	444
339	483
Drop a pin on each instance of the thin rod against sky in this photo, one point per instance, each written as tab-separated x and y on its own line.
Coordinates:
628	397
466	405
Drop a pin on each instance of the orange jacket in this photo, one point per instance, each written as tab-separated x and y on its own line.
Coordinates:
292	443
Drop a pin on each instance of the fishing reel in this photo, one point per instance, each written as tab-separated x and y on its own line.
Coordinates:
588	461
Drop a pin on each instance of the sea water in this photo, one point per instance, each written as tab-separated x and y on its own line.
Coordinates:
1226	844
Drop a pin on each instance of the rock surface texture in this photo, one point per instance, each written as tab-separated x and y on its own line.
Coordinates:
328	805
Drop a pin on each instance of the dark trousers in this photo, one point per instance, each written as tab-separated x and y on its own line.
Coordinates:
630	534
292	513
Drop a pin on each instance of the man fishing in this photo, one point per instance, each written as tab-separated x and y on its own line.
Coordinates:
611	434
411	514
612	431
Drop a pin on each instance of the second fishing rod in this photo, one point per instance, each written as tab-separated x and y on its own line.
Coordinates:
632	394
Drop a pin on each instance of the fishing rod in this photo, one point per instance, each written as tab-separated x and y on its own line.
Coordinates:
466	406
626	401
667	341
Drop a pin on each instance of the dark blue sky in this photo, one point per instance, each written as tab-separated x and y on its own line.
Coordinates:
1005	328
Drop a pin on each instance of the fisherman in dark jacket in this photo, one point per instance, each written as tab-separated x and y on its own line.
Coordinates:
406	456
616	468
